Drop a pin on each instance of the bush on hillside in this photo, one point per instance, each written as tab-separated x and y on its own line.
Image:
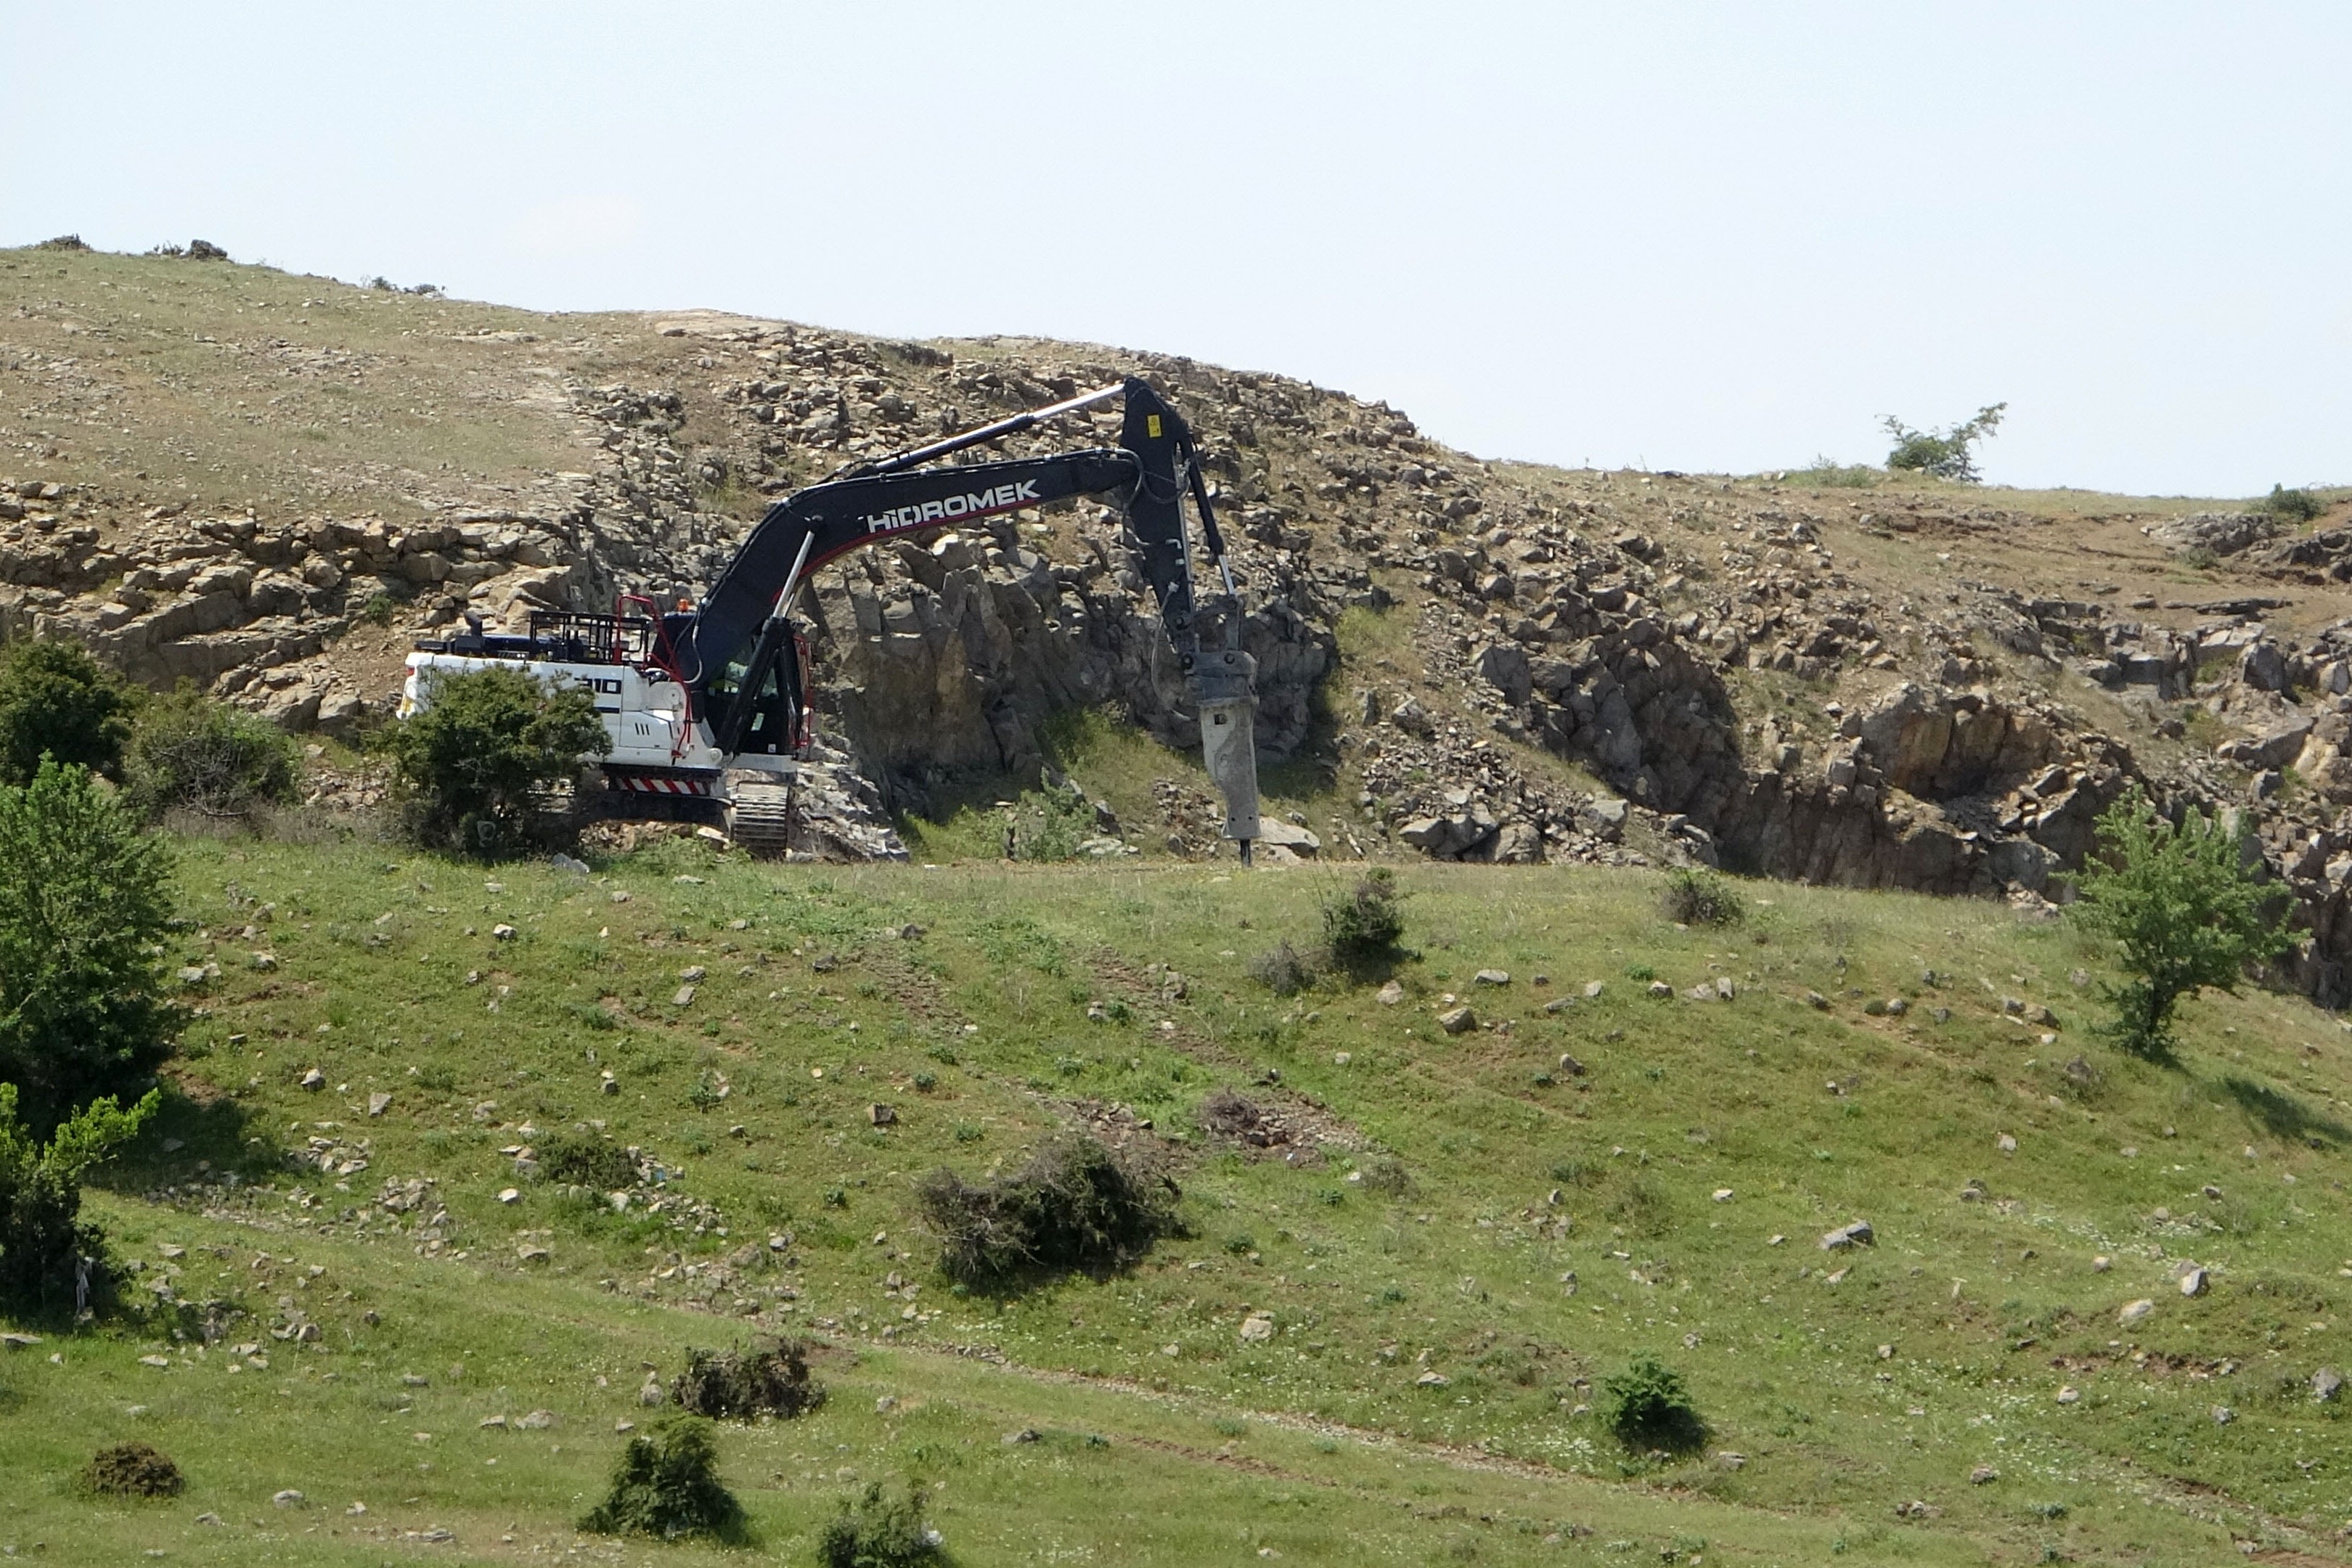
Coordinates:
133	1469
188	750
51	1263
1363	927
469	766
2292	506
1950	455
577	1158
1074	1204
666	1485
1700	898
57	702
1647	1406
743	1384
880	1530
85	904
2184	906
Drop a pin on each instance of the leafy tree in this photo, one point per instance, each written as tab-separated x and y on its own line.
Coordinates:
57	701
187	750
2186	909
85	901
1949	456
470	759
50	1262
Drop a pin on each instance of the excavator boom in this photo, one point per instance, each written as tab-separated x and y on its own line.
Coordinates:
740	643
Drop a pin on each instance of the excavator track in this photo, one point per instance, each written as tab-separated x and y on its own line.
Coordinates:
759	819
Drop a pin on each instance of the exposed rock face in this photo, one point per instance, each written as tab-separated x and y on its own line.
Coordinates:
1744	688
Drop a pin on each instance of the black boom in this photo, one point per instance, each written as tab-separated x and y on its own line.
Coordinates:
738	652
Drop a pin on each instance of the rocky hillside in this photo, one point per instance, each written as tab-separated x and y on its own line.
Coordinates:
267	483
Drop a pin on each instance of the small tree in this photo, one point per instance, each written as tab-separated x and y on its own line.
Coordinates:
1647	1406
1363	927
666	1485
85	901
468	763
2184	906
1949	456
187	750
50	1262
56	701
880	1530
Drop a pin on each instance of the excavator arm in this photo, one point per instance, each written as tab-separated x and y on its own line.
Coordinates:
742	642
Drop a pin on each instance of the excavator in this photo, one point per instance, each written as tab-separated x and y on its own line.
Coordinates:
707	706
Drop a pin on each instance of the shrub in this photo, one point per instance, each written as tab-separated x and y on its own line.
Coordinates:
56	701
1283	970
1647	1406
879	1530
741	1385
50	1262
469	764
2185	908
133	1469
1072	1204
1362	928
1827	472
1949	456
1049	824
668	1485
187	750
2292	506
575	1159
1700	898
85	901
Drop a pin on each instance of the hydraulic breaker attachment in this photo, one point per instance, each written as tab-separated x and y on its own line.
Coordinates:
1223	684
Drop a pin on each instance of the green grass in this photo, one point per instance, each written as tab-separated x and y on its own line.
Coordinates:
1321	1444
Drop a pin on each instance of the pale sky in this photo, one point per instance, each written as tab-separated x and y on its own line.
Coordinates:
1701	236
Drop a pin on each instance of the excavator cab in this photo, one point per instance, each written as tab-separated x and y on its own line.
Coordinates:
770	710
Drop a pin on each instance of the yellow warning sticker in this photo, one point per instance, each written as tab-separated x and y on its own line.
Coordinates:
1151	425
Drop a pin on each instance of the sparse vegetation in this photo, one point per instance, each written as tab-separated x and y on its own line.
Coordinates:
1283	970
743	1384
666	1485
1647	1406
1829	474
57	702
2184	907
133	1469
190	752
52	1263
1072	1204
880	1530
1950	455
470	766
85	904
1698	897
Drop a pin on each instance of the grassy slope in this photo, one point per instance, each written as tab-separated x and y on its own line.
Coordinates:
977	1031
